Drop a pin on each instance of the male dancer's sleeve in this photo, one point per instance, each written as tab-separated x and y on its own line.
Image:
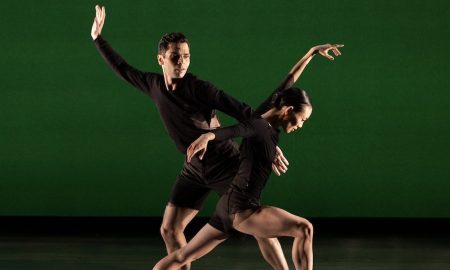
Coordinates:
135	77
245	129
206	93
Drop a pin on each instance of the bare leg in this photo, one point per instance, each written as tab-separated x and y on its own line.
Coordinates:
174	222
202	243
271	222
176	219
272	252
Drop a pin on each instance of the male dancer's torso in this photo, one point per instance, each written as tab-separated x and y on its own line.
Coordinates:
186	112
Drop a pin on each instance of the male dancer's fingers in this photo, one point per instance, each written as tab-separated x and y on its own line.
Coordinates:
97	12
193	149
104	16
95	24
194	152
202	153
102	22
100	16
189	153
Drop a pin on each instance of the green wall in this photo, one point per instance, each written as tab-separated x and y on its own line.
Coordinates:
77	141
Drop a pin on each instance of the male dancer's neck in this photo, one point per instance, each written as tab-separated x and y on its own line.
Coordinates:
172	83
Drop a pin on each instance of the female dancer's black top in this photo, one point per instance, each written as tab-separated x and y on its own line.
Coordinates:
257	152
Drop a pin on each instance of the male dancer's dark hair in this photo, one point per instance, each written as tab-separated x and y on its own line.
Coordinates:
176	37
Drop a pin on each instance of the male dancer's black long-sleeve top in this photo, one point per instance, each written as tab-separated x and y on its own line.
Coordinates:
185	112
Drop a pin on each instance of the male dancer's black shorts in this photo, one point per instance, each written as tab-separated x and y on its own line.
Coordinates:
197	178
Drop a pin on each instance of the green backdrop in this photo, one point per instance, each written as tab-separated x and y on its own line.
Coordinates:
77	141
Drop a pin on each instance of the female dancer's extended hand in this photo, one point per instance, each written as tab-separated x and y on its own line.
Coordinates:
325	48
199	146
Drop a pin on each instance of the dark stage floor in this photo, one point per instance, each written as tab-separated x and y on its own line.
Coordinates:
127	250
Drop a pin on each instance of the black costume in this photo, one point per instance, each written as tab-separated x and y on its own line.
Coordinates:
186	114
258	150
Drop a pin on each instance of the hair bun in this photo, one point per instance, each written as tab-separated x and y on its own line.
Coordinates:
276	99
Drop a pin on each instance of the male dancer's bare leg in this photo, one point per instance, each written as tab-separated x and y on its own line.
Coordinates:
270	222
174	223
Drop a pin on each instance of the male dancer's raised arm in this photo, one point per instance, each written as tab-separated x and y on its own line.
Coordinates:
125	71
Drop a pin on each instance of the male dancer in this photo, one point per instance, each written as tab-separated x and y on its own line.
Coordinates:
187	108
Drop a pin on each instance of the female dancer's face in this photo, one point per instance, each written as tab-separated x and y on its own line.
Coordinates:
293	120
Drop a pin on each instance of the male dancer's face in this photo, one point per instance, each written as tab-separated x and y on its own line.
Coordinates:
176	60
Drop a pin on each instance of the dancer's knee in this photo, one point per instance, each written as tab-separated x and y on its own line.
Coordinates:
176	258
304	229
169	232
180	256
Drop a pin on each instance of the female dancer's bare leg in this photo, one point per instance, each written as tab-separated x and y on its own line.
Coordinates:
202	243
268	222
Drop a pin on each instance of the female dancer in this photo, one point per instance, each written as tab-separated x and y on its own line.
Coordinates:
239	208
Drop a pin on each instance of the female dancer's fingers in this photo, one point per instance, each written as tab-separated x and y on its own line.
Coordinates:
325	54
275	169
282	161
336	52
281	166
281	156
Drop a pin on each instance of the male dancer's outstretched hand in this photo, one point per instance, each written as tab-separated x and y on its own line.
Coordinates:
199	146
99	20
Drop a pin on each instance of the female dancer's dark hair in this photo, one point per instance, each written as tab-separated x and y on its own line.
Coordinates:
295	97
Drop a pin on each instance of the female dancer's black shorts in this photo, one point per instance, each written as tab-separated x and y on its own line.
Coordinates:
234	201
197	178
